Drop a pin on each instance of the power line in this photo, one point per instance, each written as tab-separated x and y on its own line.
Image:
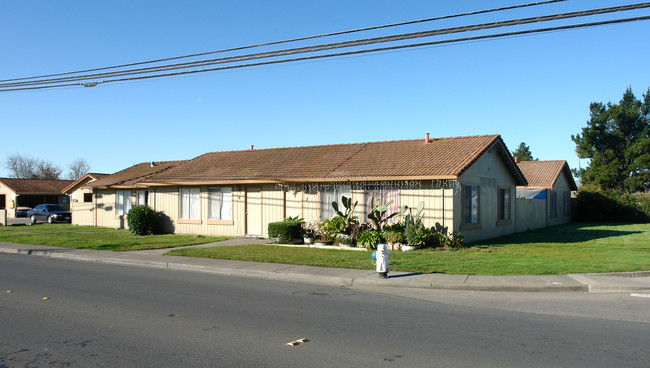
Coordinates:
277	53
322	47
356	52
292	40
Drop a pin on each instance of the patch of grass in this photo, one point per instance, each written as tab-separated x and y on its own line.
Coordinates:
96	238
571	248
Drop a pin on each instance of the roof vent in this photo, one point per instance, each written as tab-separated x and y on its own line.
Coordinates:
251	147
153	164
426	138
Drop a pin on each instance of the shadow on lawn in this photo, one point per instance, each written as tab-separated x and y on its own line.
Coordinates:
569	233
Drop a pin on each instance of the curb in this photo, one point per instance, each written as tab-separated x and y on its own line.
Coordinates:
593	283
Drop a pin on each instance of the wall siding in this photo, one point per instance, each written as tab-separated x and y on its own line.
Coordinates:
531	214
491	173
82	213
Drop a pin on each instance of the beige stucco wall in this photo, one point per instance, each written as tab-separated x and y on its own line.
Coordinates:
10	198
3	217
490	173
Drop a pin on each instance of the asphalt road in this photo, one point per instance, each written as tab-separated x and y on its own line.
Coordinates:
106	315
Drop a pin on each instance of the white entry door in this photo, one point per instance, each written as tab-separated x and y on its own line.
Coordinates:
254	211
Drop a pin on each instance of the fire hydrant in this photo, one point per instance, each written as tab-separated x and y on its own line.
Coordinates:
382	261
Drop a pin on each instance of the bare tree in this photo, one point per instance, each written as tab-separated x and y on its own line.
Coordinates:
78	168
47	170
20	166
23	167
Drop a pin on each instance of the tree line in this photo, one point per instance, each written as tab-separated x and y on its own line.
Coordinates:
25	167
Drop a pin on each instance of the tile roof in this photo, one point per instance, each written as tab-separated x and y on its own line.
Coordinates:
441	158
133	175
35	186
544	174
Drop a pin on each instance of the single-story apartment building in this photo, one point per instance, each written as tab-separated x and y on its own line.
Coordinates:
546	200
16	193
467	184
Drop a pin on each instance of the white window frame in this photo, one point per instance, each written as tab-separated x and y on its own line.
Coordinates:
189	203
142	198
220	203
383	193
329	194
122	202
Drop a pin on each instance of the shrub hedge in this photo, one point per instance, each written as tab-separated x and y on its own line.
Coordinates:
141	220
601	206
285	231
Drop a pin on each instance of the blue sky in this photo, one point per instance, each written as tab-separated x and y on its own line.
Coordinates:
534	89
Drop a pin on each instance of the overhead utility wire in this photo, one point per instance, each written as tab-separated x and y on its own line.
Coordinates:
330	46
356	52
292	40
391	48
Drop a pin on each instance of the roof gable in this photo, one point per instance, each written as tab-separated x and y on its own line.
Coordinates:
86	178
133	175
544	174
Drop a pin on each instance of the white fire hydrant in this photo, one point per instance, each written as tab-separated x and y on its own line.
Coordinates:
382	261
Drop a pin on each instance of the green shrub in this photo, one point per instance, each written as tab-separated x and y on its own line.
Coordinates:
329	228
285	231
369	239
602	206
141	220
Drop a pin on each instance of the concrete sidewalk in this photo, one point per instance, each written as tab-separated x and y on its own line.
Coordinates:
619	282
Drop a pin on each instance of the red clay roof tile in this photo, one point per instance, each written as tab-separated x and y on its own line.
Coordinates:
544	174
440	158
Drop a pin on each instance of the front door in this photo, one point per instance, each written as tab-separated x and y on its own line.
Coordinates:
254	211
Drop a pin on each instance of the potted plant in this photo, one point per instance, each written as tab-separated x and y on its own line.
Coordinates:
309	232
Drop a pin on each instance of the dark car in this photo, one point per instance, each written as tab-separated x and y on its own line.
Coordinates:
22	211
50	213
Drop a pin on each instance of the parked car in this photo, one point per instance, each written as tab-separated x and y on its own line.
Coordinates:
50	213
22	211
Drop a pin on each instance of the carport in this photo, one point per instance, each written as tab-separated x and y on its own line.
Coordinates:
31	192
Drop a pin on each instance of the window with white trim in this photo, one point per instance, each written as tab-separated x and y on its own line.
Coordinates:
383	194
219	203
189	203
142	198
329	194
122	202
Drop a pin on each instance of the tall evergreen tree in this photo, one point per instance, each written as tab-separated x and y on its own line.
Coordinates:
617	142
522	153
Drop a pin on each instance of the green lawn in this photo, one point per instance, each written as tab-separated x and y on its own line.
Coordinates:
571	248
97	238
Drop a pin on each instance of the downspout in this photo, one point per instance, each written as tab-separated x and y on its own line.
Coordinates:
94	207
443	207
